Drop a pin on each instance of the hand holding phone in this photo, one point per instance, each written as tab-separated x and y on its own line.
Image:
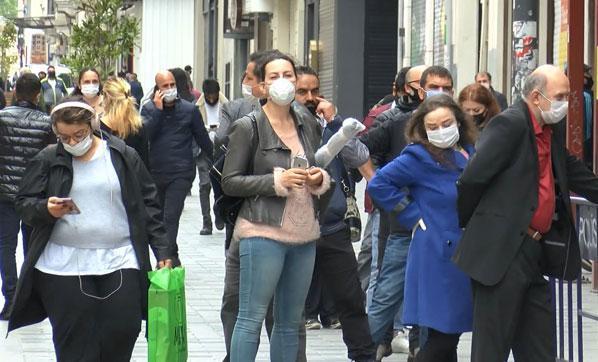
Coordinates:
58	207
299	162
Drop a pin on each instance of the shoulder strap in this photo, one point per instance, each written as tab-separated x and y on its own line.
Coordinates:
255	140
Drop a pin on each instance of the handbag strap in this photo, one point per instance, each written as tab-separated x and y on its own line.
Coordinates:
345	182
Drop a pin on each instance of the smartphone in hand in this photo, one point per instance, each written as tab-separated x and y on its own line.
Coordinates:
69	204
299	162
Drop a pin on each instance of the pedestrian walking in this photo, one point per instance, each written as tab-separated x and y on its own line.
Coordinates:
437	294
90	87
210	103
514	204
122	119
94	212
477	101
24	131
53	89
267	165
172	124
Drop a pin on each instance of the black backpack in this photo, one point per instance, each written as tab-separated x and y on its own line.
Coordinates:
225	206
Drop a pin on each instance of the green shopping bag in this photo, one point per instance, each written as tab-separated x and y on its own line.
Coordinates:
167	317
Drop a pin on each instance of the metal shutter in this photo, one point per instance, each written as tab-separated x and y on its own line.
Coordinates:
418	31
380	50
326	48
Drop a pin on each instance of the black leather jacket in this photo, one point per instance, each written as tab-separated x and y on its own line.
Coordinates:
51	174
262	205
24	131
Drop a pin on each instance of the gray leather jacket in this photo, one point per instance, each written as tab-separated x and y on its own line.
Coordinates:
262	205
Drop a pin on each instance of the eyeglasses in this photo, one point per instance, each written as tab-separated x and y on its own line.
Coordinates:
77	137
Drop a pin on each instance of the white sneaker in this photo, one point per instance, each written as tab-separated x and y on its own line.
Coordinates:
400	341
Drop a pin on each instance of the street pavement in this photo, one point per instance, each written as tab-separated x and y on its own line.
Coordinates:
203	258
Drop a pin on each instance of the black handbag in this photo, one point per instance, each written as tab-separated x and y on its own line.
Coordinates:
352	216
226	206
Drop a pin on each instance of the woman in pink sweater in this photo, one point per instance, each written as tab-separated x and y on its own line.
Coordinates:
270	164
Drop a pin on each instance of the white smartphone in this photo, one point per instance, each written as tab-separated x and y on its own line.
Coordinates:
299	162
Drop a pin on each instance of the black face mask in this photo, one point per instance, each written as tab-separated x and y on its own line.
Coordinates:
588	83
479	118
311	106
51	75
211	103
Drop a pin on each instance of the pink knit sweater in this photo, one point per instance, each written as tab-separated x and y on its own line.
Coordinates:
299	223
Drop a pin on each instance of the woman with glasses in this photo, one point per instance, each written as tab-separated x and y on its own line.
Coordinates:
93	208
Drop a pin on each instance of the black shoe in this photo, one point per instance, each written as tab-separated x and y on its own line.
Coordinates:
219	223
206	231
312	324
333	323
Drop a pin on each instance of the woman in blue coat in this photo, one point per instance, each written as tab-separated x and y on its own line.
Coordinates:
437	294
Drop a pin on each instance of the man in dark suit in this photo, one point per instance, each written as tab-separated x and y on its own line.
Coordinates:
485	79
515	207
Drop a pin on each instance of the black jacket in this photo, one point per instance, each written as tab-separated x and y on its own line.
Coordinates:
24	131
139	142
171	132
500	99
386	140
262	205
498	195
51	174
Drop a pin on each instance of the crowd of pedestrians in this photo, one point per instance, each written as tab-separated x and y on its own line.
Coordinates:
467	209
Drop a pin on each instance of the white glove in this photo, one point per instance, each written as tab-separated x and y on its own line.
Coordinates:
351	127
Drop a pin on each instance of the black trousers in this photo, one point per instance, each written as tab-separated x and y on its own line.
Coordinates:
336	263
172	195
515	314
85	329
439	347
319	302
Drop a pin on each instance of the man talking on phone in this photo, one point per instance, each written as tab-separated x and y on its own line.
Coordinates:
172	123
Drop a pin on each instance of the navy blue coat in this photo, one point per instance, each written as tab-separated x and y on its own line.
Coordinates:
171	132
437	294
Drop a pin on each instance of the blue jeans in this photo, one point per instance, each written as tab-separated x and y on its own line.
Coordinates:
375	218
270	268
9	232
388	296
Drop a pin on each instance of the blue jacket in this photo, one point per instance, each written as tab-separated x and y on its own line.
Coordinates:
333	219
171	132
437	294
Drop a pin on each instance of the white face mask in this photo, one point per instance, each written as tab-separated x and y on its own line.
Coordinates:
282	91
80	148
444	137
247	91
558	111
90	90
170	95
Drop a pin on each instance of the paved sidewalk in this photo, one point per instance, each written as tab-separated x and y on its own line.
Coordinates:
203	258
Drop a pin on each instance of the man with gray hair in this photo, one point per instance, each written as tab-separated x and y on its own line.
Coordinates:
514	205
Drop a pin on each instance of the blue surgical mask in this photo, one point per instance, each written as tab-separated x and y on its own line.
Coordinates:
435	92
